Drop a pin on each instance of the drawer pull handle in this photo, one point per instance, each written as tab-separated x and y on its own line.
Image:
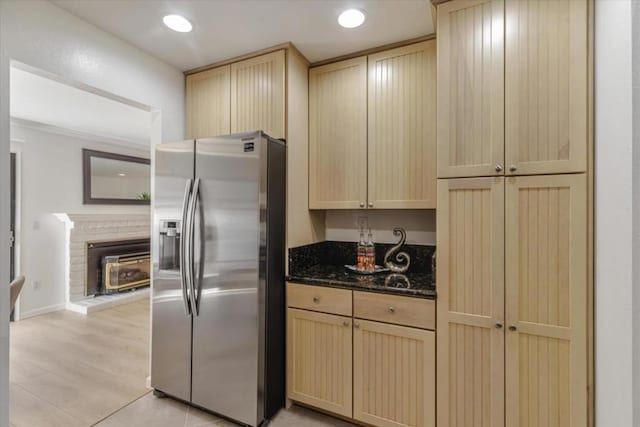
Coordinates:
316	299
392	309
356	325
345	323
513	328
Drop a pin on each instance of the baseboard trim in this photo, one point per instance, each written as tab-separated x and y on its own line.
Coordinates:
40	311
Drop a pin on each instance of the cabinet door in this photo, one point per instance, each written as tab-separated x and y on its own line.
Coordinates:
257	95
546	86
393	375
319	360
470	88
402	132
546	296
338	135
470	309
209	103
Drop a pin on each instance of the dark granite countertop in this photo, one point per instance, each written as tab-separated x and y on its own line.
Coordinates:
322	264
410	284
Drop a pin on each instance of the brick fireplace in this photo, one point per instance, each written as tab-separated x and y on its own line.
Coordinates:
83	229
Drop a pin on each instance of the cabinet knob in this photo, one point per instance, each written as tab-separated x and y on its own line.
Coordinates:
512	168
513	328
392	309
362	204
316	299
498	168
498	325
345	323
370	204
356	325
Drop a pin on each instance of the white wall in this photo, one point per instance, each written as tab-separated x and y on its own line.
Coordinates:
635	23
420	225
42	35
50	178
613	215
4	228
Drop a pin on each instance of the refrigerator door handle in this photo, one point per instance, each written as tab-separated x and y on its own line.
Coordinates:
195	195
184	263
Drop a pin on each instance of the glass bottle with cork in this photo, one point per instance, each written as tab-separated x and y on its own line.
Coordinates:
370	254
362	253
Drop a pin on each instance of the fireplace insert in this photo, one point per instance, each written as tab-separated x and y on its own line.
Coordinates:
120	273
117	266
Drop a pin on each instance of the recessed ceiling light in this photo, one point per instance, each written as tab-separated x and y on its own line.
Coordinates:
122	174
178	23
351	18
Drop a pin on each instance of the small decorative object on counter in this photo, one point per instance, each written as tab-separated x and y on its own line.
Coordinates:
401	257
361	260
370	254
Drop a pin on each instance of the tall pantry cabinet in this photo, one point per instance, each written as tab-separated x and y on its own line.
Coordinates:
512	219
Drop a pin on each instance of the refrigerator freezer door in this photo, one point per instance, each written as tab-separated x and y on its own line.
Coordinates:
171	330
227	255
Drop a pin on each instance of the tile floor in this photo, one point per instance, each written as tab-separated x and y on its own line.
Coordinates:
152	411
69	370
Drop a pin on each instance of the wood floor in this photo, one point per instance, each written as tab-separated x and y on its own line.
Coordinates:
71	370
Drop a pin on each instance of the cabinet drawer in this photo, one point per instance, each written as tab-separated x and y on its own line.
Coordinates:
318	298
416	312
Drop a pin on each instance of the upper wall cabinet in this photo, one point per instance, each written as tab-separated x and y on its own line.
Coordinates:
546	86
372	131
209	103
470	88
258	94
338	135
512	87
402	127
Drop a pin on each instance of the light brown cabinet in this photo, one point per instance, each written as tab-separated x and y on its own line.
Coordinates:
512	87
372	131
244	96
208	99
546	300
393	375
402	127
546	86
319	360
338	135
258	94
371	370
512	300
470	88
470	283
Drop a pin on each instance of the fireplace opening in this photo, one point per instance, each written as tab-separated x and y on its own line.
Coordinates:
117	266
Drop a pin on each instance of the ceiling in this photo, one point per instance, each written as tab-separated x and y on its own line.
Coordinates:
38	99
223	29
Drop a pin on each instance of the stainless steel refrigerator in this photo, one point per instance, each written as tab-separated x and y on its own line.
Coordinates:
218	313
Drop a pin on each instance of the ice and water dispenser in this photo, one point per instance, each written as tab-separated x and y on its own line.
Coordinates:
170	245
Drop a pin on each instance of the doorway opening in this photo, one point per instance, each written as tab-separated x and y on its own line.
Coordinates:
76	355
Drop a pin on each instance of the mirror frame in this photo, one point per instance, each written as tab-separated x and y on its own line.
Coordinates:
87	199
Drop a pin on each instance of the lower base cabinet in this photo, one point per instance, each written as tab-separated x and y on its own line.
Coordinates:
319	354
373	372
393	375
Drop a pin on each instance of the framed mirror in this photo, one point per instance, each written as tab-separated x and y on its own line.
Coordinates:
115	179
